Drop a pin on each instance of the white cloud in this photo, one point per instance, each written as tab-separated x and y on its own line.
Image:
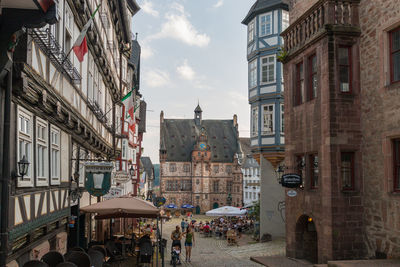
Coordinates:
147	51
156	78
148	8
178	26
219	4
185	71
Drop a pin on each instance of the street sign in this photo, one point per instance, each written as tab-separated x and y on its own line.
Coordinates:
113	193
291	180
291	193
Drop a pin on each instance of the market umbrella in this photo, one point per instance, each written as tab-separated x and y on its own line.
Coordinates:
226	211
171	206
187	206
123	207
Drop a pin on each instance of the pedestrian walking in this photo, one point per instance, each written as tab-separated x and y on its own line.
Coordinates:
189	243
183	225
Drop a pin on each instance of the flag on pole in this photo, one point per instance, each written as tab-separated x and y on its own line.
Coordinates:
128	102
80	46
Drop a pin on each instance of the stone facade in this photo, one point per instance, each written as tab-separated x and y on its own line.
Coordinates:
207	176
380	125
328	220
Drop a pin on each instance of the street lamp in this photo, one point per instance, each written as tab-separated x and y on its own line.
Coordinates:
279	173
132	171
23	166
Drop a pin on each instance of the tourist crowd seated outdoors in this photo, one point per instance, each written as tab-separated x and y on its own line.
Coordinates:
219	227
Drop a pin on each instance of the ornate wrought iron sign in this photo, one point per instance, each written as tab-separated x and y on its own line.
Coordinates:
291	180
98	177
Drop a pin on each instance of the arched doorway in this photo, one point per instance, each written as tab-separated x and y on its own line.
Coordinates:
306	239
197	209
215	205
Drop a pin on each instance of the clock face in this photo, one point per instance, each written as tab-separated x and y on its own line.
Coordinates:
203	146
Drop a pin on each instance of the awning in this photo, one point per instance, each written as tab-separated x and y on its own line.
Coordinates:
226	211
123	207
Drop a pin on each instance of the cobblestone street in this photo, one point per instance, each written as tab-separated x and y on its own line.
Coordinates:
215	252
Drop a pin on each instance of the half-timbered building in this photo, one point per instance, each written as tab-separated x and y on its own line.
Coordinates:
63	113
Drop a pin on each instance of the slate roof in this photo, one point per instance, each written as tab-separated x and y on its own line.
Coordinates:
142	116
198	109
245	146
147	164
134	61
249	162
262	6
179	137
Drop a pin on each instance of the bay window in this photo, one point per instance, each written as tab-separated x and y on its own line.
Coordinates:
268	119
253	74
41	153
55	161
250	31
25	140
345	69
254	121
285	20
395	55
268	69
266	24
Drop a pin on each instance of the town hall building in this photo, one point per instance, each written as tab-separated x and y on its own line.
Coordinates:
199	162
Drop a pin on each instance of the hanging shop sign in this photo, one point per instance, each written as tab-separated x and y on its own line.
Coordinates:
291	180
98	177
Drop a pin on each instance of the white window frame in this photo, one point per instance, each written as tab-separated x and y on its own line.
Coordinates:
285	20
69	19
124	152
253	73
55	162
268	118
254	121
42	179
251	30
269	64
266	15
28	138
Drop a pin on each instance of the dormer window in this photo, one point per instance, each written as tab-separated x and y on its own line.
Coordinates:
266	24
251	31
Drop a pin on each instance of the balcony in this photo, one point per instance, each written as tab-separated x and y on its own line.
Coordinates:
49	45
326	15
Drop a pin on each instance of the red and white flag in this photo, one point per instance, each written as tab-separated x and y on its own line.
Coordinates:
80	46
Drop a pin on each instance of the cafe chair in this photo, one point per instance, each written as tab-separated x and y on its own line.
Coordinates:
77	249
96	258
100	249
52	258
35	263
81	259
66	264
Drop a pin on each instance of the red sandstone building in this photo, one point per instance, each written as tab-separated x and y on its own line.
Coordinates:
342	102
199	162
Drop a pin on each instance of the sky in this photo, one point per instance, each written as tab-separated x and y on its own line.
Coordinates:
192	51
